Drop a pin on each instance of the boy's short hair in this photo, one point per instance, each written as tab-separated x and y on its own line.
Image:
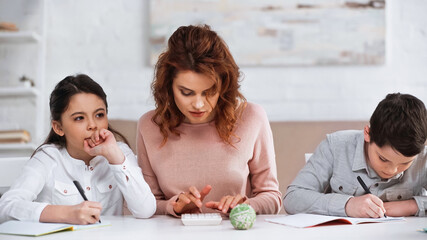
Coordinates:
400	121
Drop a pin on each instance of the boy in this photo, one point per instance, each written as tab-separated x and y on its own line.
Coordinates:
389	155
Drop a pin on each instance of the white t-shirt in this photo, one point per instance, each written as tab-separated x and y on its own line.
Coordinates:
47	178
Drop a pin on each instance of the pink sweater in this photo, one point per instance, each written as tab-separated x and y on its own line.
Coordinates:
199	157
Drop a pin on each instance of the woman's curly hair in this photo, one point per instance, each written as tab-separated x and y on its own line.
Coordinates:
201	50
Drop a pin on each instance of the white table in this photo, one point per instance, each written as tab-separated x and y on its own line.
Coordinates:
166	227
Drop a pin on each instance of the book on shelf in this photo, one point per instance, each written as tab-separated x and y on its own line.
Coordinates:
14	136
8	26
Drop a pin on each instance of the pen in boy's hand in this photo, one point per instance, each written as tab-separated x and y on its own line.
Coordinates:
365	187
80	189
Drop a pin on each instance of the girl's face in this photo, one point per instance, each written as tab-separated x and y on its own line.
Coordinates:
85	114
190	94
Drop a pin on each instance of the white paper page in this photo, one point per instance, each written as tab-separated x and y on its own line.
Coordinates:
36	228
374	220
303	220
29	228
95	225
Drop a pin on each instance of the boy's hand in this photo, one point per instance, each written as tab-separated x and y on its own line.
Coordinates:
227	203
104	143
401	208
190	202
366	206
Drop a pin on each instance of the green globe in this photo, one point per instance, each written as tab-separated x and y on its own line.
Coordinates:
242	216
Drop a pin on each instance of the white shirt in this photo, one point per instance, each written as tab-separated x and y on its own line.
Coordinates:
48	176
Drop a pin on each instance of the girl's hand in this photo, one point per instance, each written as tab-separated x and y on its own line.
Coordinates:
190	202
86	212
366	206
95	139
227	203
102	142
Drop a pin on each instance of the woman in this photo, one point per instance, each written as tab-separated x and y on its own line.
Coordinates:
204	148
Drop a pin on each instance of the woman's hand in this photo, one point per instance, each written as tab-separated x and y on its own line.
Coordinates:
227	203
102	142
191	201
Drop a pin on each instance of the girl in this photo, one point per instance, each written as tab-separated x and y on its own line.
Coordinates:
80	146
204	148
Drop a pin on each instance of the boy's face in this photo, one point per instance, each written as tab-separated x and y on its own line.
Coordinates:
386	161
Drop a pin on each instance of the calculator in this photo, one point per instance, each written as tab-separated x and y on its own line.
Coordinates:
201	219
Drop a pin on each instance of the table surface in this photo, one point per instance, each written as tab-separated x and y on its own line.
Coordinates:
167	227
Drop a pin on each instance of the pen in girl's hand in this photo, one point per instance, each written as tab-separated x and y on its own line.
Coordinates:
365	187
79	187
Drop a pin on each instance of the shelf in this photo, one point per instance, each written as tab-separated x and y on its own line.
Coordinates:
18	92
8	150
17	146
19	37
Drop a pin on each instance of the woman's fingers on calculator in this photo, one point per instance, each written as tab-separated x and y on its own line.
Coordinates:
195	196
238	199
181	206
187	202
194	191
184	198
191	201
189	198
194	200
205	191
212	204
227	203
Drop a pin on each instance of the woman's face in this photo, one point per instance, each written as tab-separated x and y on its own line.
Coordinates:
190	94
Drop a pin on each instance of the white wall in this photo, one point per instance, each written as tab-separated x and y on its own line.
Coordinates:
107	39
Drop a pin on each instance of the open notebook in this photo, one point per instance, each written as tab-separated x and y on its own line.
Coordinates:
303	220
34	229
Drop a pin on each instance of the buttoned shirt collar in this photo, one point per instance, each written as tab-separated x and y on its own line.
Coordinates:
73	162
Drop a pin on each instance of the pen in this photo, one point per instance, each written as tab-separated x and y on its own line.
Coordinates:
79	187
365	187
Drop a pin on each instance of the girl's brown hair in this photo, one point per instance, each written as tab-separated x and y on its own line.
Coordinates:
60	98
201	50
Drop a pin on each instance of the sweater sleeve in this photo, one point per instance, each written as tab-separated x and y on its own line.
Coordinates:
137	193
163	206
18	203
266	197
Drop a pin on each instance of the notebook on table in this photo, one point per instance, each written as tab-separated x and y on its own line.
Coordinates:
304	220
35	229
